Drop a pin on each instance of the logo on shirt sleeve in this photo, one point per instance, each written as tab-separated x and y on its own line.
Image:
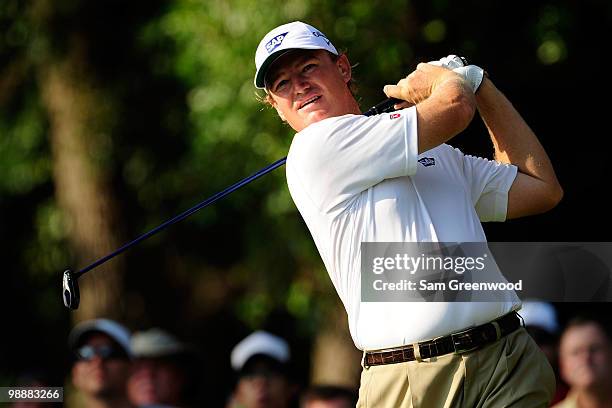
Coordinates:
395	115
427	161
275	42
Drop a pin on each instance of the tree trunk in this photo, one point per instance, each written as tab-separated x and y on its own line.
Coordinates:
335	360
80	126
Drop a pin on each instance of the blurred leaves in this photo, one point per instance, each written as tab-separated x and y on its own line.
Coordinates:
25	162
434	31
552	23
187	123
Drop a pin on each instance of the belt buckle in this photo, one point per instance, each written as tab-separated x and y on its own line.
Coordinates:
456	344
364	360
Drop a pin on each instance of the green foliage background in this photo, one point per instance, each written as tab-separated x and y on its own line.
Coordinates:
186	123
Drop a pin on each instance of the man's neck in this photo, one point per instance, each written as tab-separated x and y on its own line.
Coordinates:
354	108
599	398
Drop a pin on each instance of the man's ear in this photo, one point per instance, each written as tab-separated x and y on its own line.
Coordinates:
275	106
344	66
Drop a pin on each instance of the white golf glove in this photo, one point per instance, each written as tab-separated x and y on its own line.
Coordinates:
450	62
471	73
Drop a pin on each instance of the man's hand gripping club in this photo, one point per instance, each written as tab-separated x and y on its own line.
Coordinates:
444	99
420	84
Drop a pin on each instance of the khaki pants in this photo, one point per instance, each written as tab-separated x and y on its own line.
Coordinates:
512	372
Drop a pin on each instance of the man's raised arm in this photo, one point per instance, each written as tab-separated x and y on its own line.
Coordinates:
444	102
535	189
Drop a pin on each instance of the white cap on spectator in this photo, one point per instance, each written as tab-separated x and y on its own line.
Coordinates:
541	314
259	342
112	329
156	343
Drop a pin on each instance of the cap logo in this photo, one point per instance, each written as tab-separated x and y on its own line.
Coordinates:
318	34
275	42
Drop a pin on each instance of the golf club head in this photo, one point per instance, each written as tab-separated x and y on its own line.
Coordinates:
70	290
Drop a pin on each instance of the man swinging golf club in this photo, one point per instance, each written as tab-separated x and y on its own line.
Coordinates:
392	178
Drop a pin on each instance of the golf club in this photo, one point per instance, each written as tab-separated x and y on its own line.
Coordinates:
70	284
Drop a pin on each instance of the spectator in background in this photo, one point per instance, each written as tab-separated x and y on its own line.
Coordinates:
164	370
328	396
261	363
542	324
101	368
585	360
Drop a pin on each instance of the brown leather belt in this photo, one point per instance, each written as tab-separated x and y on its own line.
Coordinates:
461	342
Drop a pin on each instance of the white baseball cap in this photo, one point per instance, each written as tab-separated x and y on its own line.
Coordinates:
259	342
112	329
156	342
282	39
541	314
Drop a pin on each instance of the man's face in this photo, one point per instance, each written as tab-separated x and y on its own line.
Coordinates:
97	376
263	388
329	403
307	86
585	356
155	381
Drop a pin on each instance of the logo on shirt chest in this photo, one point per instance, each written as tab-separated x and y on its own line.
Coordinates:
427	161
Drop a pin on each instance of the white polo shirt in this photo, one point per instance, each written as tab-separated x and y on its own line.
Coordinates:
359	179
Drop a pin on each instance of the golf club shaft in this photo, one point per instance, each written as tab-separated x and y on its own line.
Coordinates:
384	106
210	200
